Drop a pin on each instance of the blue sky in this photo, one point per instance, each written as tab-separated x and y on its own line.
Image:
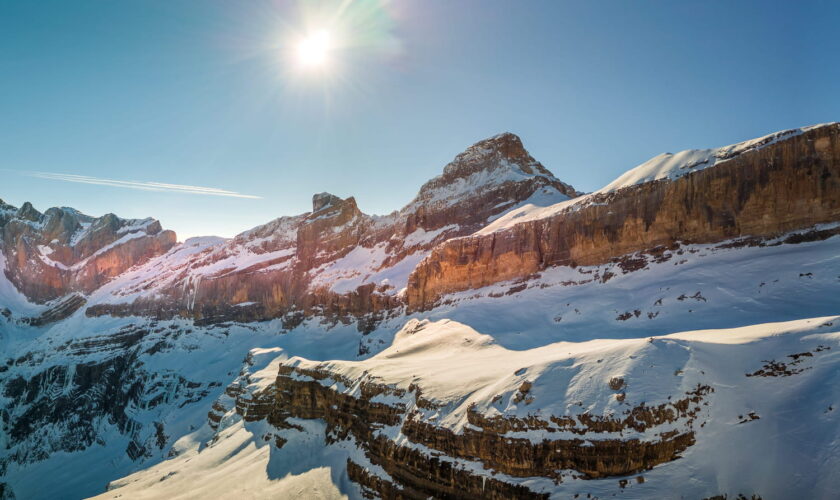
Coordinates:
204	93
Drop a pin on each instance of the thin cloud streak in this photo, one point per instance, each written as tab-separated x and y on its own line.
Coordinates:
144	186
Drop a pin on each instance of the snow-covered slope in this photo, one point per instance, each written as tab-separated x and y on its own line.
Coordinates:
673	166
284	362
700	286
746	439
171	372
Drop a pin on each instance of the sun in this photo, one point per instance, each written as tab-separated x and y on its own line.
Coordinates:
313	49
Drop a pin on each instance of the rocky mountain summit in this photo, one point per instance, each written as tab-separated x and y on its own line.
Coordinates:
49	255
758	189
335	262
501	336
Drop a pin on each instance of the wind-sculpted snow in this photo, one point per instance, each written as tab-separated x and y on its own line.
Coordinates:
443	385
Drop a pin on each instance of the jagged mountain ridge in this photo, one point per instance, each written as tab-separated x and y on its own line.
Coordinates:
760	188
334	261
62	250
165	371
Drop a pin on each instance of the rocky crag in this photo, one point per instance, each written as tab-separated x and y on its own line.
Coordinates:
62	251
762	192
337	262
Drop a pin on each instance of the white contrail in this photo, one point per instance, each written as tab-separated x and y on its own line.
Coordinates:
145	186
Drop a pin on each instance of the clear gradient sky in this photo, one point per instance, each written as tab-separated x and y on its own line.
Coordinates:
205	93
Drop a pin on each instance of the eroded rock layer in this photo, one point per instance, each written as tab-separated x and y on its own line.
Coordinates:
400	429
790	184
336	262
63	251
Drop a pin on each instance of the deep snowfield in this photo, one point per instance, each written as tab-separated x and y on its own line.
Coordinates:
791	449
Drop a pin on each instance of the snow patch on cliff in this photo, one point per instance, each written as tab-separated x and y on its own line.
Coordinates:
666	166
673	166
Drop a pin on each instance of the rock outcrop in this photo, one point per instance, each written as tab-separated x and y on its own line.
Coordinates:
487	179
401	426
63	251
788	184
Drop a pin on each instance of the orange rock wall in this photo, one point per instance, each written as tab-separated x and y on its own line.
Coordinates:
789	185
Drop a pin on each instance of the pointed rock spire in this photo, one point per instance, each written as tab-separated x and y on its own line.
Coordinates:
320	201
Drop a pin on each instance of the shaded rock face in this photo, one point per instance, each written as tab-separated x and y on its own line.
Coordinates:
792	184
298	259
62	251
321	201
60	310
360	414
104	383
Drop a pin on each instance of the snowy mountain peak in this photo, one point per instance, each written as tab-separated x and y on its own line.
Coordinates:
324	200
500	152
491	176
28	212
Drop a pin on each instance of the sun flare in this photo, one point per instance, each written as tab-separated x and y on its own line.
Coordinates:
313	50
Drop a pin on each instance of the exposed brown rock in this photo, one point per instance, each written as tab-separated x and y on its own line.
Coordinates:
789	185
83	252
616	383
773	368
480	183
311	394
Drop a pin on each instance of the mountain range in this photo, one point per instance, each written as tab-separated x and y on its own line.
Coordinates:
503	335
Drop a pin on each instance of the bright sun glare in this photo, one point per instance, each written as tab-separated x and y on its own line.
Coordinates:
314	48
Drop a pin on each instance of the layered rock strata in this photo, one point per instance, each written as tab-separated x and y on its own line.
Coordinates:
400	429
62	251
790	184
337	262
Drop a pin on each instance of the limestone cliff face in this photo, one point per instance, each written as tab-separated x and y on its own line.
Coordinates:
426	470
340	264
337	262
790	184
276	287
63	251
